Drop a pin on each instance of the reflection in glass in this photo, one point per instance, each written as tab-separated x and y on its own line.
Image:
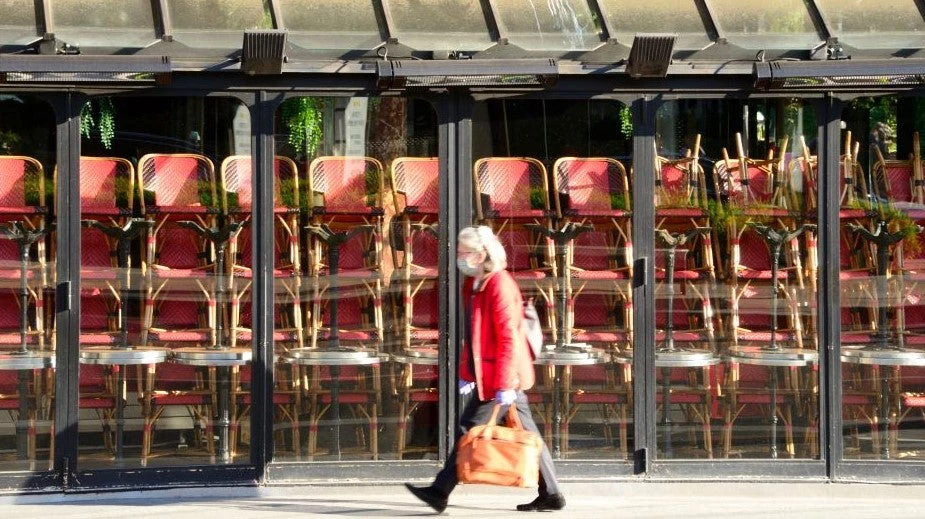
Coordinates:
17	21
445	24
361	281
326	25
881	259
99	23
27	359
216	23
756	24
540	183
554	25
628	17
869	16
736	268
164	373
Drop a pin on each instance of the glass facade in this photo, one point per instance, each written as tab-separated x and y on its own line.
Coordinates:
727	270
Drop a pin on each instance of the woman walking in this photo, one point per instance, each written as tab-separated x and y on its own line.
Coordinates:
496	365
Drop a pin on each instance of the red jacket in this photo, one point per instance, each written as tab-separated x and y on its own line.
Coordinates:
500	354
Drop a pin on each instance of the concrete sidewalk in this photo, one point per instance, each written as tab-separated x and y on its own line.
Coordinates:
597	500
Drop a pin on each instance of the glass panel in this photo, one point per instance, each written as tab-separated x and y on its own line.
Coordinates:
875	23
554	25
27	359
324	25
736	272
882	259
102	23
17	22
444	24
164	343
357	329
628	17
755	24
216	23
555	163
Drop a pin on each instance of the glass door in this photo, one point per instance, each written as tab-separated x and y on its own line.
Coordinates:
28	156
553	178
736	276
164	342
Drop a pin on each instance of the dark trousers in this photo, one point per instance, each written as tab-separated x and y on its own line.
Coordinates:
477	412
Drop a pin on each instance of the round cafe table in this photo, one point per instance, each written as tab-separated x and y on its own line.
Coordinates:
23	363
334	358
120	357
666	359
562	359
773	358
222	359
889	360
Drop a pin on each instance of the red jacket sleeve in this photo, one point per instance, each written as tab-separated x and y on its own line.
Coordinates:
507	314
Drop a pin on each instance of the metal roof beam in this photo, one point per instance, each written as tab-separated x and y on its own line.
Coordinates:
162	20
819	20
921	5
598	8
709	20
493	21
276	13
386	24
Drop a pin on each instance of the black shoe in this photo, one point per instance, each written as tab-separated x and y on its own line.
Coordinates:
544	503
430	495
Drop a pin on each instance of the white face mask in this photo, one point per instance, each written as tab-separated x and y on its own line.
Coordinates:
466	268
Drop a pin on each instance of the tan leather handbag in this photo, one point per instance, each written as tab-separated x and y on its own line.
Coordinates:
497	455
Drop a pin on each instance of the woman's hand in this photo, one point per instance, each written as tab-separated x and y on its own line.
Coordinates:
465	387
505	396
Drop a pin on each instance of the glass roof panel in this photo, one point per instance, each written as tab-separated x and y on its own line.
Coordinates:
331	24
103	23
17	22
628	17
549	24
875	24
440	24
763	24
216	23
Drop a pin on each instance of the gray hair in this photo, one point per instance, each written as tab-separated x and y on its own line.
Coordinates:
482	238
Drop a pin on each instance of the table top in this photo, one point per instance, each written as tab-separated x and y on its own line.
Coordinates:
761	356
212	357
866	354
31	360
122	356
335	356
424	356
685	358
572	355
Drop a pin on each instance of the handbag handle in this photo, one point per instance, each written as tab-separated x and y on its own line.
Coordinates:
513	419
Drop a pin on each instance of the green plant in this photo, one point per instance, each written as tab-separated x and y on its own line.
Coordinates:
9	141
105	121
626	122
303	117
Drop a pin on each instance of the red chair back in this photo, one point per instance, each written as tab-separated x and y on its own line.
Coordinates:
592	186
417	178
509	187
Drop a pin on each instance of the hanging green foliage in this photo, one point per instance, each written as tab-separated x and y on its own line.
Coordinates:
86	119
303	118
105	121
626	122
